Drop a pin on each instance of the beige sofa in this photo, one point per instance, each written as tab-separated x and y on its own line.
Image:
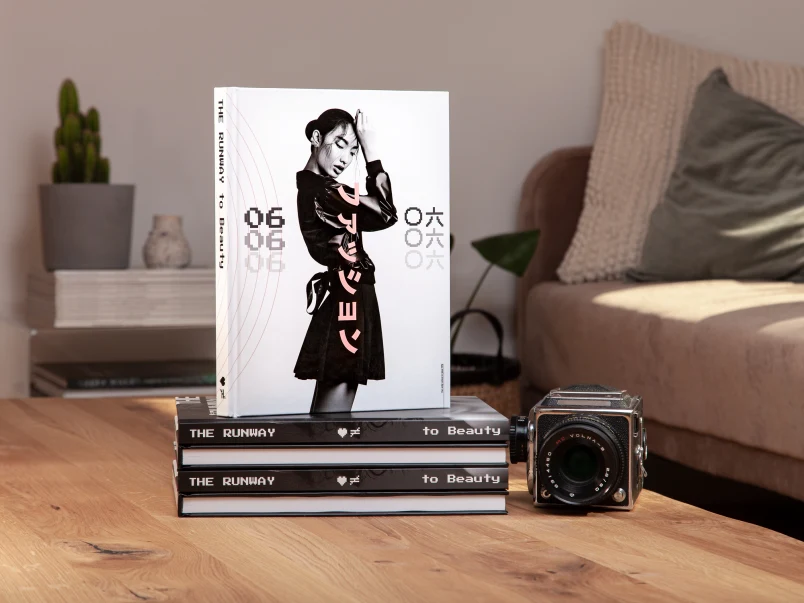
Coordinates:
720	364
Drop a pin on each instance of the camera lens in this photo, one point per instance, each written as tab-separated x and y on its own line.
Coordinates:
580	464
580	460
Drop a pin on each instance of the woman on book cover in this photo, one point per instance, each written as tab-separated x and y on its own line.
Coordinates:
343	346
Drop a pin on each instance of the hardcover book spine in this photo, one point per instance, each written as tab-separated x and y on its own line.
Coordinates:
258	433
412	479
222	286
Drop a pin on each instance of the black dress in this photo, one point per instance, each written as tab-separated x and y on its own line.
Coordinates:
336	350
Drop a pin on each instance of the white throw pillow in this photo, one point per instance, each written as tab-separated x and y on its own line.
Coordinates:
648	88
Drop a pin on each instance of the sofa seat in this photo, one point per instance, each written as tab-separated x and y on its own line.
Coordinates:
720	358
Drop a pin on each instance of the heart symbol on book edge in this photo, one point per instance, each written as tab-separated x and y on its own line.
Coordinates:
341	480
342	432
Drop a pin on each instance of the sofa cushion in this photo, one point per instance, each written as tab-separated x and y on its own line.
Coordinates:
649	82
722	358
734	207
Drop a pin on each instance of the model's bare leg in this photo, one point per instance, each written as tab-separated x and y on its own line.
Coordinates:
333	397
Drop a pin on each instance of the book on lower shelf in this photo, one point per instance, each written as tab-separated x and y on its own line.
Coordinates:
124	379
41	388
434	461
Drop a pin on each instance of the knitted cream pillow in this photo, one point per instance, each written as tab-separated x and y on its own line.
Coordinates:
649	84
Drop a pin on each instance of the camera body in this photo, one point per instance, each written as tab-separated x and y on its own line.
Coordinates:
585	446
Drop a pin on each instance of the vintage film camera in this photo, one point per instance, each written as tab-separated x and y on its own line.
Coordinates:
585	446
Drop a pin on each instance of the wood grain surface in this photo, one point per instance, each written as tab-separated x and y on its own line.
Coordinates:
87	514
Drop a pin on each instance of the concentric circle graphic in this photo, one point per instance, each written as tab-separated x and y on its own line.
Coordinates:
251	323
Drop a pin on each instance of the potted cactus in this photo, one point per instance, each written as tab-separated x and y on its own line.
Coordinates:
85	221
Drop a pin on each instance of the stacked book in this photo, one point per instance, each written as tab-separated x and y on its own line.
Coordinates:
435	461
122	298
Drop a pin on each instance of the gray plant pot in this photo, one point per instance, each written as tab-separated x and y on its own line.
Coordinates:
86	226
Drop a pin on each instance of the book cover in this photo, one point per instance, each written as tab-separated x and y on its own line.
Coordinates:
332	250
467	420
341	479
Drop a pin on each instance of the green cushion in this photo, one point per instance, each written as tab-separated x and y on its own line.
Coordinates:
734	205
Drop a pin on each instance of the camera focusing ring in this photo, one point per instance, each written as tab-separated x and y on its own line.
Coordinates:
580	460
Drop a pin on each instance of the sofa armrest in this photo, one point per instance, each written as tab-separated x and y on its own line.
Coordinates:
552	199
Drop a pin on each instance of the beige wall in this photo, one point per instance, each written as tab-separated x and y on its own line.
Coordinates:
524	78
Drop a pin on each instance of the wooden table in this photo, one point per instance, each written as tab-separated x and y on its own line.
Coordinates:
87	514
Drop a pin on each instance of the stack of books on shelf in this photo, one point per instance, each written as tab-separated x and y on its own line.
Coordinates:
433	461
122	298
123	379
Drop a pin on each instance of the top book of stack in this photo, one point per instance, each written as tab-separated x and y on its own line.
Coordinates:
122	298
469	420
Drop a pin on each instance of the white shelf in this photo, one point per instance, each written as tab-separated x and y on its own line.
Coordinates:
87	299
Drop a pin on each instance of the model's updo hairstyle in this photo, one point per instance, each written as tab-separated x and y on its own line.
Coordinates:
328	121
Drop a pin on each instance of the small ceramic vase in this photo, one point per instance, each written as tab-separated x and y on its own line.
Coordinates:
166	245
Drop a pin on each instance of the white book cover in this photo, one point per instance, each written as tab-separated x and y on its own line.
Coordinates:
332	250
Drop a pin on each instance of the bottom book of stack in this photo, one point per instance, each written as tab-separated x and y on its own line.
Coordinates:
439	461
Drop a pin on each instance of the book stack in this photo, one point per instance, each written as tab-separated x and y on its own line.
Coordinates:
433	461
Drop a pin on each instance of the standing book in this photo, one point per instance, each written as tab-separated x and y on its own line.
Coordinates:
332	250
